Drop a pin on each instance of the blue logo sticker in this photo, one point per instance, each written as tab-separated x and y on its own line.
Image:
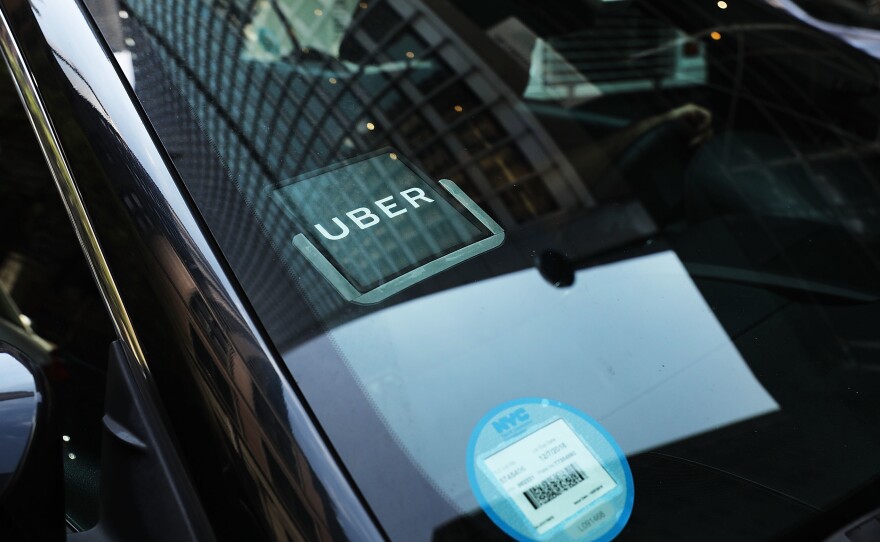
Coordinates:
505	424
542	470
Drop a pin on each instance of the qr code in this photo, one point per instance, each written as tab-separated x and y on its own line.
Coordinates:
554	486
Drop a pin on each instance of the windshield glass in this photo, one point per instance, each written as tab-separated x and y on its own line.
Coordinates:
664	215
852	13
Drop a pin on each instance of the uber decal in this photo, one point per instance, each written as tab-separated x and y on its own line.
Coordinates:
375	225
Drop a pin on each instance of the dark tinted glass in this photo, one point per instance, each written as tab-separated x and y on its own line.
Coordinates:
689	197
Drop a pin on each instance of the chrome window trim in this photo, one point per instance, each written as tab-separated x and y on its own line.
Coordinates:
50	144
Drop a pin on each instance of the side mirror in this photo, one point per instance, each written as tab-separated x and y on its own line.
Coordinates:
31	483
19	401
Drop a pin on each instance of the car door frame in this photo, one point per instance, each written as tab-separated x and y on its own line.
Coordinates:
253	450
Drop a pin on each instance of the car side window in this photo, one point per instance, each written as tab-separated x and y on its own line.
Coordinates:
50	307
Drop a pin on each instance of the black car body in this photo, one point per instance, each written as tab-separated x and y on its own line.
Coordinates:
750	176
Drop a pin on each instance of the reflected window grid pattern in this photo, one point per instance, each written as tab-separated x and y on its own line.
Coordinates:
271	121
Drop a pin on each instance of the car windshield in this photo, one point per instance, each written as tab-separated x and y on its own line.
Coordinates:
663	215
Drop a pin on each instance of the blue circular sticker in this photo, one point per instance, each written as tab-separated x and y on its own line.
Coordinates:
545	471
